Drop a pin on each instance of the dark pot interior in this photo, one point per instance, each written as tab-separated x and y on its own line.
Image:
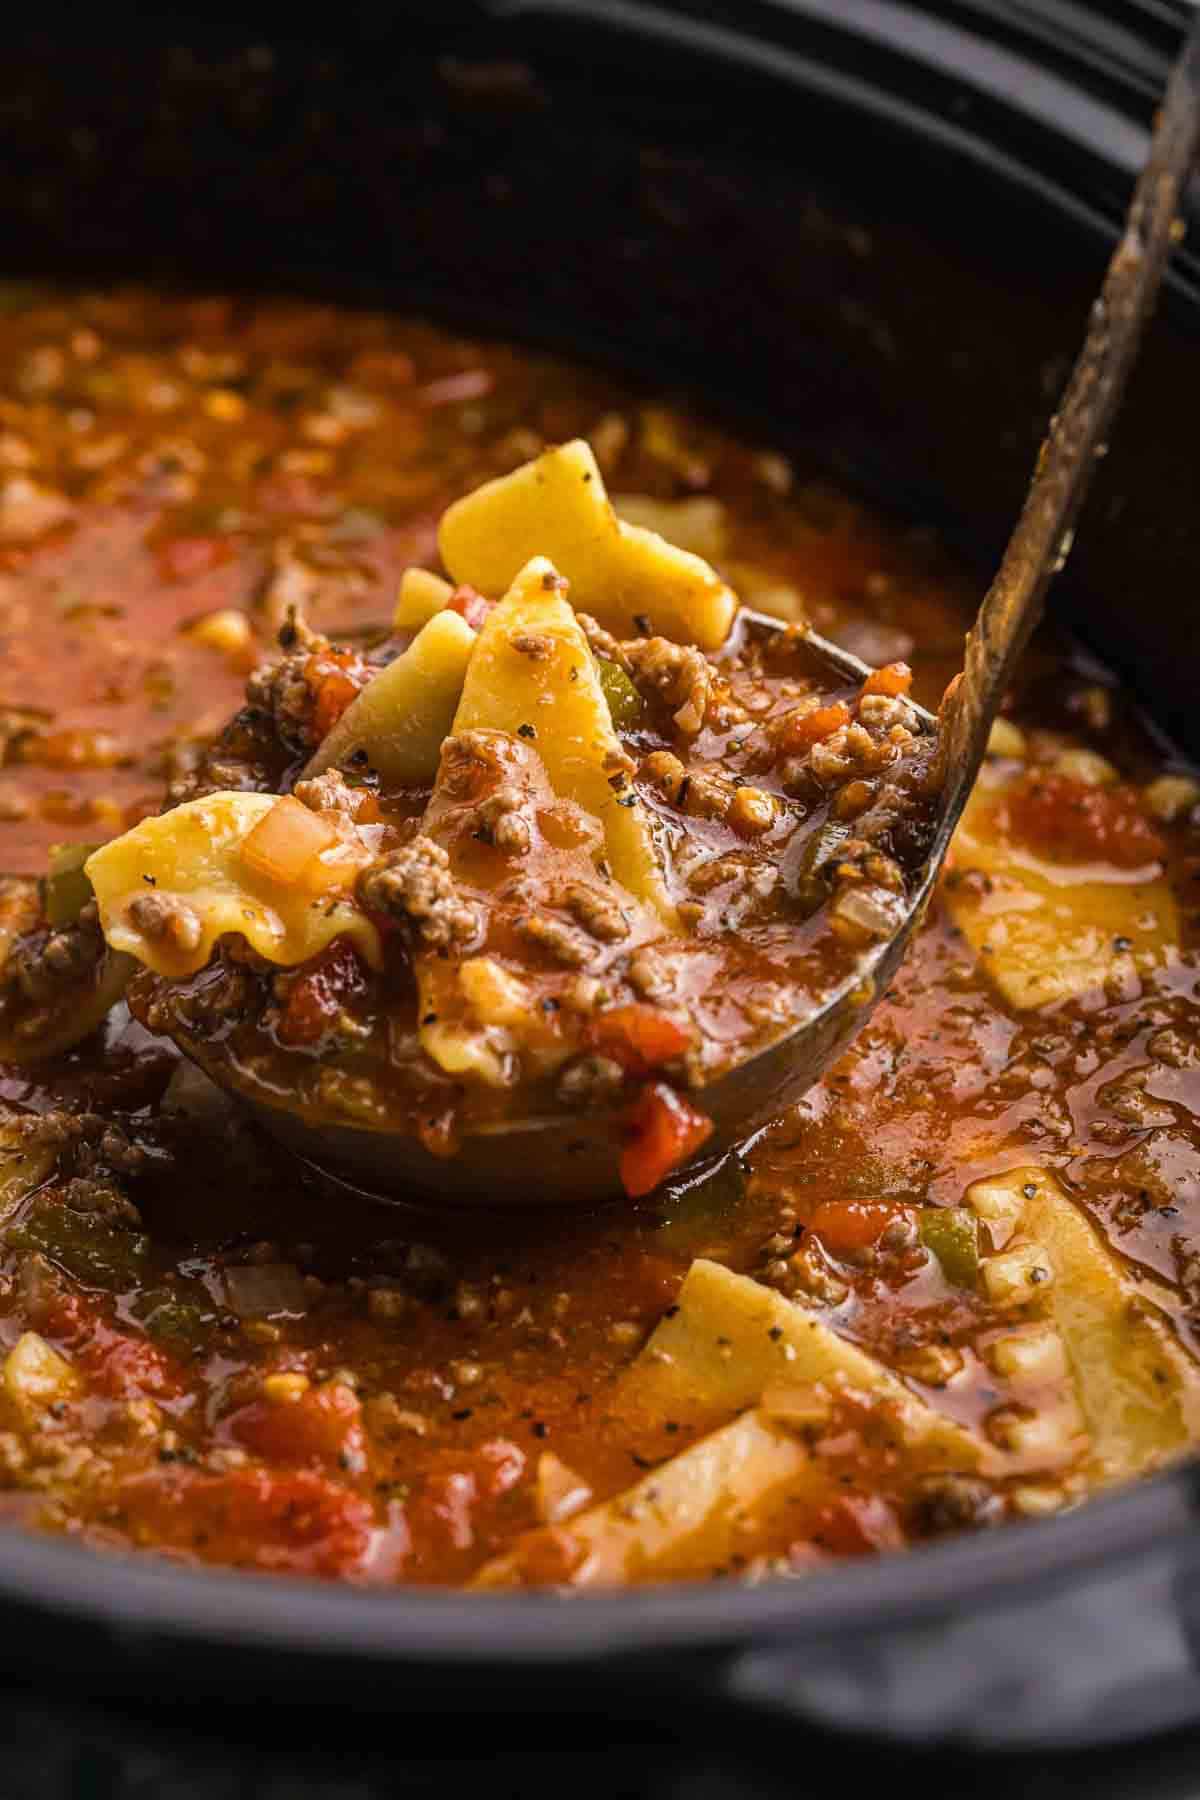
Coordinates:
880	252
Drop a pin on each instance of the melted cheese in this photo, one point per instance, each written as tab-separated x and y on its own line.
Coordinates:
624	575
550	689
193	854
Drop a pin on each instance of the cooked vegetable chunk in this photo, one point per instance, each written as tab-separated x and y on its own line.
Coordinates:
622	574
399	720
173	885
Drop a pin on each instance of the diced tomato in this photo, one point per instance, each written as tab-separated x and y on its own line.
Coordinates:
298	1523
471	606
857	1524
801	732
450	1508
129	1368
323	1427
853	1224
116	1364
640	1038
1071	820
185	558
893	679
317	996
335	678
664	1130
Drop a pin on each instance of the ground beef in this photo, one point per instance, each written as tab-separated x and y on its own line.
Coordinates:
677	674
700	793
414	886
166	919
331	792
949	1503
598	911
590	1081
565	943
42	964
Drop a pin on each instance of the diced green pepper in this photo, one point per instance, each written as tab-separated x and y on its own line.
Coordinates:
951	1233
174	1320
624	702
66	890
811	884
85	1245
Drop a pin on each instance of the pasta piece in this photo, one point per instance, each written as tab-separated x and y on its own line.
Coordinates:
1138	1388
1046	932
728	1339
533	676
191	860
697	524
624	575
421	595
690	1517
402	715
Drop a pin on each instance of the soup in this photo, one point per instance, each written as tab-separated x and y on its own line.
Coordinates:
953	1287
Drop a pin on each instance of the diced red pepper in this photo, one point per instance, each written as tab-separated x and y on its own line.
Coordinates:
316	997
321	1428
297	1523
1072	820
853	1224
471	606
801	732
664	1130
893	679
641	1038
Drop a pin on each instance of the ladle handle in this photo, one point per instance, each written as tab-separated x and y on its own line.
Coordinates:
1076	438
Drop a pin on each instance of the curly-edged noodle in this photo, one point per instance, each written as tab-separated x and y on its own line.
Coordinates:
728	1339
1044	931
194	855
533	676
1138	1388
400	718
421	595
689	1517
622	574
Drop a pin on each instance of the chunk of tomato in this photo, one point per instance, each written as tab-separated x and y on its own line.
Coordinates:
664	1130
1074	821
800	732
296	1523
322	1428
639	1037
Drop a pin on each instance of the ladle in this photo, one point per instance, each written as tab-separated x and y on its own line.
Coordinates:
569	1160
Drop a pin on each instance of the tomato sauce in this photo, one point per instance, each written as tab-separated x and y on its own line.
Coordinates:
219	1361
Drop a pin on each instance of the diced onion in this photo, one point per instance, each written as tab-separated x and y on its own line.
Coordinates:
286	840
265	1290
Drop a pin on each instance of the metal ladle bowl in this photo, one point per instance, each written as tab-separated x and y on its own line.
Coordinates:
569	1160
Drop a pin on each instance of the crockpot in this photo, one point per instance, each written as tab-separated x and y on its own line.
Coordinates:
864	229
